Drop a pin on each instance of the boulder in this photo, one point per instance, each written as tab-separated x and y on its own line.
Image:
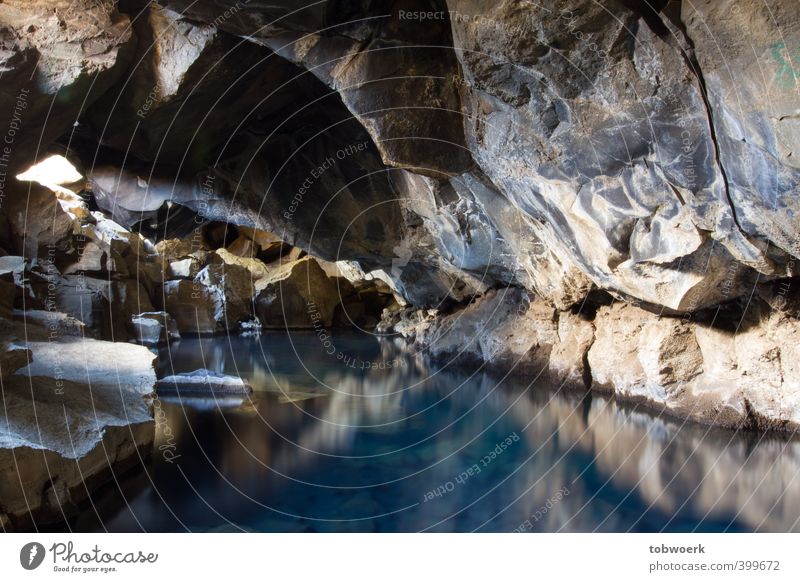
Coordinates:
202	383
219	298
259	273
58	324
184	268
13	356
191	305
37	223
58	57
263	243
153	328
231	289
104	307
75	416
297	295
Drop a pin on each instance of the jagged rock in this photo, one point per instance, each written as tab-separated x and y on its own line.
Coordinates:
739	378
188	82
13	356
396	76
57	57
8	291
37	222
231	288
202	383
173	249
154	327
190	305
620	169
104	307
297	295
184	268
505	328
568	360
263	244
58	324
219	298
78	412
747	54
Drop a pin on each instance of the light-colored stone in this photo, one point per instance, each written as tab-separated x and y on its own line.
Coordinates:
79	410
154	327
745	378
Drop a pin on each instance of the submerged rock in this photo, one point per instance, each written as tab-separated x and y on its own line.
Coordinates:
202	383
154	327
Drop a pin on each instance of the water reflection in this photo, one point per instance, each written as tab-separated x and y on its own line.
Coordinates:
325	445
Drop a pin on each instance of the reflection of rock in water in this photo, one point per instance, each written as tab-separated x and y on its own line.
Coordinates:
378	441
670	468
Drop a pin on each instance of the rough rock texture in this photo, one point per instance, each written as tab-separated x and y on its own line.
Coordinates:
297	295
621	168
735	372
56	58
72	417
741	377
752	81
202	383
582	155
388	70
509	329
154	327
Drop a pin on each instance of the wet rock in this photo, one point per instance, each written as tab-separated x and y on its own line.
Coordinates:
154	328
73	416
297	295
202	383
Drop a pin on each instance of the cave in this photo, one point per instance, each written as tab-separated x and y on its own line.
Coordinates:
358	247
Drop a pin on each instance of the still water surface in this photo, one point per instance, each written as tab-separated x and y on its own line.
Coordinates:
372	439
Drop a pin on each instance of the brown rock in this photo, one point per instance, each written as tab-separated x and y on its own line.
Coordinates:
297	295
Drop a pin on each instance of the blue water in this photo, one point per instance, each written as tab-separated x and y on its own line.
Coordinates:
359	435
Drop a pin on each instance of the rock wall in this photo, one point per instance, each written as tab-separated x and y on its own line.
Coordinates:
598	194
